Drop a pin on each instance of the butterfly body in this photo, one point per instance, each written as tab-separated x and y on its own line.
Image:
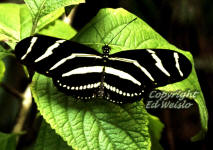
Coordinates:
83	73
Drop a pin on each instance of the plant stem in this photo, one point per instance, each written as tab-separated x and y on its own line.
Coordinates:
12	91
26	104
35	22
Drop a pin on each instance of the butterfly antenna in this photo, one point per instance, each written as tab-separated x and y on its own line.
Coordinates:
102	39
121	30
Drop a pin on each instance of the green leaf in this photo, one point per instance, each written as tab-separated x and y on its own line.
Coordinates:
14	25
95	125
99	124
155	130
199	136
109	22
25	22
49	140
59	29
137	35
7	141
47	19
40	8
2	70
10	23
17	24
3	54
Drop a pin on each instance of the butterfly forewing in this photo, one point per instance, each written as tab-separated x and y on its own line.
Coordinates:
42	52
156	67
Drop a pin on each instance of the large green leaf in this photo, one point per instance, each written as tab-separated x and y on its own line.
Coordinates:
137	35
99	124
7	141
49	140
95	125
40	8
17	24
109	22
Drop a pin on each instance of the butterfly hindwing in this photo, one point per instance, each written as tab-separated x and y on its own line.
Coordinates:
120	82
81	82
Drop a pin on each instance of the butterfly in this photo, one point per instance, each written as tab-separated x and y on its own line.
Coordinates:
82	72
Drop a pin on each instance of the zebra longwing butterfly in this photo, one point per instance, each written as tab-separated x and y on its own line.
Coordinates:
83	73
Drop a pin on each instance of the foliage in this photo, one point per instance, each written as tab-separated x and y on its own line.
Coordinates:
95	125
99	124
2	70
7	141
155	129
48	139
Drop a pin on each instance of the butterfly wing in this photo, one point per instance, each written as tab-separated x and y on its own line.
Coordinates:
136	72
80	71
72	66
120	84
42	52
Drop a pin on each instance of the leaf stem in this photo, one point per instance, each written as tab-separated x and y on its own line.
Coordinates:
12	91
34	27
37	17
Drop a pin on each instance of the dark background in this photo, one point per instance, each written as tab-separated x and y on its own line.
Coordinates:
185	23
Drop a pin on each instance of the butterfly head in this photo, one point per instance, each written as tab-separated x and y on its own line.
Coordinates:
106	49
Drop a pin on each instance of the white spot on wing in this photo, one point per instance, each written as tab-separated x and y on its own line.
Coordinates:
33	40
97	84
